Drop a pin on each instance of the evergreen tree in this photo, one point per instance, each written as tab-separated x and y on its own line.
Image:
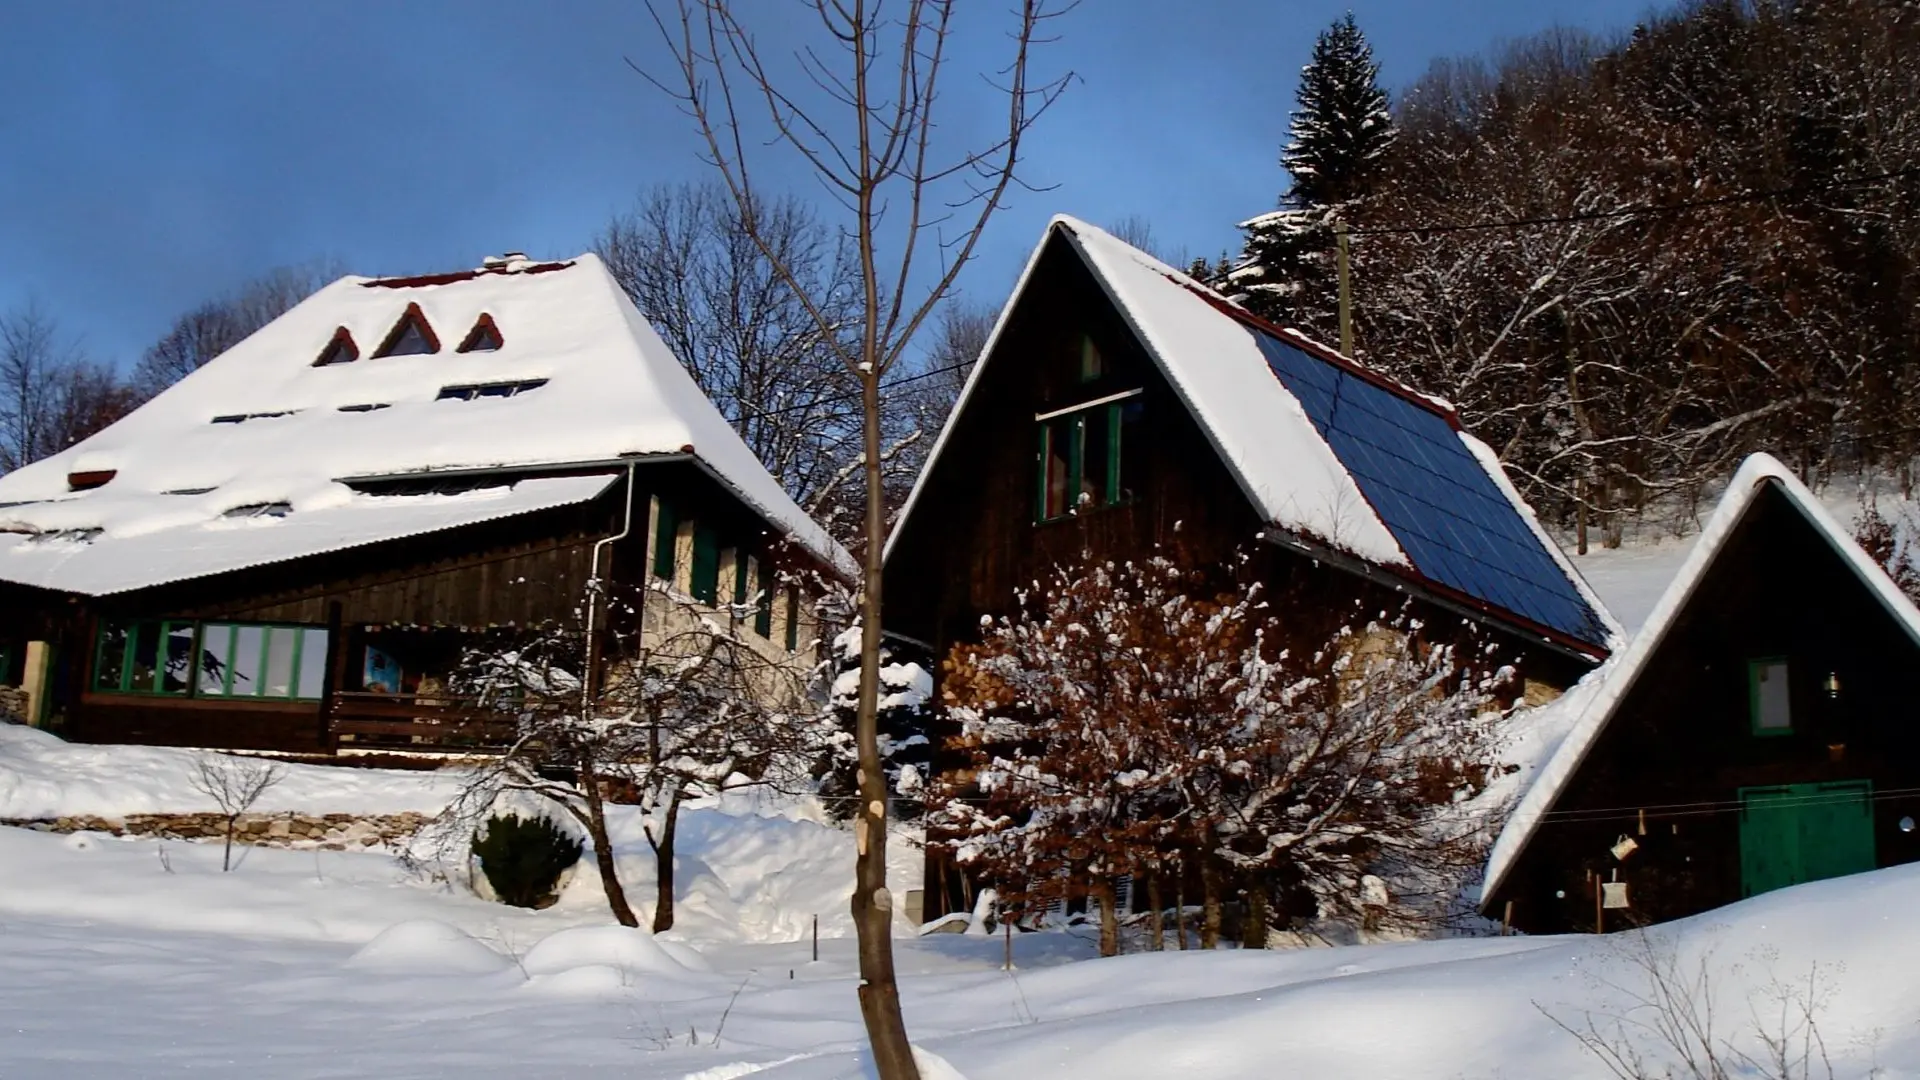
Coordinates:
1337	138
1342	128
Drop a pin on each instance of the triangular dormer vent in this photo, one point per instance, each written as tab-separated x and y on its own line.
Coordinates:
340	350
484	337
411	336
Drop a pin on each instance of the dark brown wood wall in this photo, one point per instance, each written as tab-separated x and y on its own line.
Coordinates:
1683	734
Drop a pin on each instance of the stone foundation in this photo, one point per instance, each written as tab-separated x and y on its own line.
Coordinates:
331	832
13	705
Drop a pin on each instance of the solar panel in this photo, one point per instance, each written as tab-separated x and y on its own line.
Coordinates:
1432	493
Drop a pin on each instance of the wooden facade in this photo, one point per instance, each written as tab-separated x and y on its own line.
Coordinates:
419	600
1712	780
981	530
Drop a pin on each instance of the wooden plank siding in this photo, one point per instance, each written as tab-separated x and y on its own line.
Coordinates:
517	572
1681	745
972	541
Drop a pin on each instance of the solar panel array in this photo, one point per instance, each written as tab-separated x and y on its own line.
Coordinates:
1432	493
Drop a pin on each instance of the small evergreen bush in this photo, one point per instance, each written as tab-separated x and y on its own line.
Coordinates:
523	858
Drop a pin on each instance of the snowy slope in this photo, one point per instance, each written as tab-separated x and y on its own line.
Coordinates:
263	424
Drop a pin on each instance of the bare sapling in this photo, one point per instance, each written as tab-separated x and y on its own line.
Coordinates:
857	112
234	784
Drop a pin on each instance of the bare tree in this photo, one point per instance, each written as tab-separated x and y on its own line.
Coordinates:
687	709
864	126
683	255
223	322
234	784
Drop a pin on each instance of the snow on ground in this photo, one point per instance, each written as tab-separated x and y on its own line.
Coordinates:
318	965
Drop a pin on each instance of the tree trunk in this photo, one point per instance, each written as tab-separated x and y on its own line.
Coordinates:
1253	920
1103	894
1210	902
1156	922
1180	908
603	846
226	857
663	866
872	903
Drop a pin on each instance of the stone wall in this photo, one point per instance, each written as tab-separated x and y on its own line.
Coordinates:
13	705
332	832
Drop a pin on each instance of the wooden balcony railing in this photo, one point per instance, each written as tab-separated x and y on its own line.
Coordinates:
436	721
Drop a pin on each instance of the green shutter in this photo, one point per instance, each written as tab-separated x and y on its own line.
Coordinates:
664	531
705	585
1113	453
763	611
793	618
1040	472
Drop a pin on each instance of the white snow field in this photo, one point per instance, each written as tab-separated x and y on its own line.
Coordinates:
137	958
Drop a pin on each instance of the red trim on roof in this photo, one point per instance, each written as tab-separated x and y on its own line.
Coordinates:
484	325
418	318
1321	352
341	339
454	276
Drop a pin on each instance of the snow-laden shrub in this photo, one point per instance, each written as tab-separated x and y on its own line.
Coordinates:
523	858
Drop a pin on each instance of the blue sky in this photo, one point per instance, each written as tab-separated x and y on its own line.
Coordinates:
155	154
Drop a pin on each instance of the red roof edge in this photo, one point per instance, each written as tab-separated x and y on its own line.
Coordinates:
452	276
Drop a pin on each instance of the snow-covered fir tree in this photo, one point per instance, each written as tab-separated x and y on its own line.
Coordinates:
1338	136
906	690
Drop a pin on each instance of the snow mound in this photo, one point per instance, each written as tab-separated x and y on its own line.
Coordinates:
618	948
426	947
592	980
688	956
933	1066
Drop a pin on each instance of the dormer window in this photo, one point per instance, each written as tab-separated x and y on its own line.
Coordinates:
411	336
484	337
340	350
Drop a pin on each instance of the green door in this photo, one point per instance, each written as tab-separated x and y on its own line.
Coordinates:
1804	832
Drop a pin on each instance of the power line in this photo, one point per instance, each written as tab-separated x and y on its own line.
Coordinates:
835	399
1645	211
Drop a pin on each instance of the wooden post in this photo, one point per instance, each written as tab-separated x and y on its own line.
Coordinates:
1006	926
335	675
1346	292
1506	920
1599	909
816	939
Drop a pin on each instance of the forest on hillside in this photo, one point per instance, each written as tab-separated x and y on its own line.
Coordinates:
1628	261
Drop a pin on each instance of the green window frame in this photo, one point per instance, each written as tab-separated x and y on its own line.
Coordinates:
1087	452
705	572
268	661
763	603
666	531
6	664
1763	697
793	618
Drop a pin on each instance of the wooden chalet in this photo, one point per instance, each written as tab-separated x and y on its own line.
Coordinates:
289	549
1758	733
1121	408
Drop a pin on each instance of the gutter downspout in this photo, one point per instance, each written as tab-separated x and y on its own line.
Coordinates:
593	603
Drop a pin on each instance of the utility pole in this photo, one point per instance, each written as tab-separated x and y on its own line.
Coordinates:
1346	292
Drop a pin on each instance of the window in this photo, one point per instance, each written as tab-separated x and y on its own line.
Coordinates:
484	337
1769	703
411	336
793	618
229	660
368	407
260	510
1092	366
665	529
475	391
241	418
1088	455
340	350
763	602
705	575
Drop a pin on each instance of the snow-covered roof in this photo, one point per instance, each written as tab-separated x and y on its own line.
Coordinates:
1602	691
578	377
1303	473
